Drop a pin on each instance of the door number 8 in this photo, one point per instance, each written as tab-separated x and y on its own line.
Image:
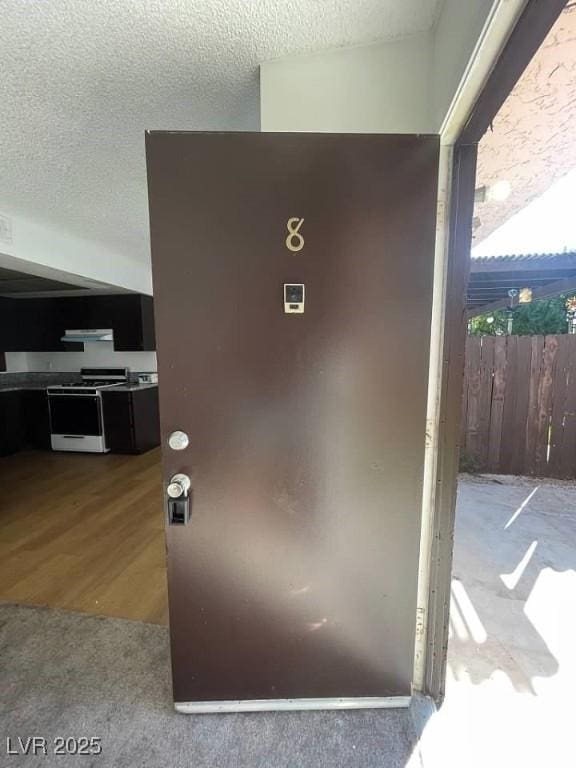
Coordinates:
294	241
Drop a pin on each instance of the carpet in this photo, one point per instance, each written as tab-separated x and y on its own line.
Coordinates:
67	675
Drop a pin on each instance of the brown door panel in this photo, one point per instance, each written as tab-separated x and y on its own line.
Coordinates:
296	576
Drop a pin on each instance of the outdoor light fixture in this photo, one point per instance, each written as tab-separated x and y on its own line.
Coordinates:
493	193
512	304
499	191
512	297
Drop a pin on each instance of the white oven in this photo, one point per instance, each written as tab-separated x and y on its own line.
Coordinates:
76	421
76	413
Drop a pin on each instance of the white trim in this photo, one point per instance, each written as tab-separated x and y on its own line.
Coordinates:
432	414
494	35
287	705
497	29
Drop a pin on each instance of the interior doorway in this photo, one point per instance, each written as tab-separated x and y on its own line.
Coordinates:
81	520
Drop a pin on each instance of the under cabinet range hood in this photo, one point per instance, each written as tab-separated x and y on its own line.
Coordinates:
84	335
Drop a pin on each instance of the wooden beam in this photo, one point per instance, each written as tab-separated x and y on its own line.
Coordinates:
548	291
557	262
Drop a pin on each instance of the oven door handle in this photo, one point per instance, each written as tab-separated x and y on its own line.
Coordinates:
74	394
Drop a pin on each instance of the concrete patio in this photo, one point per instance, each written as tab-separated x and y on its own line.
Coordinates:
511	661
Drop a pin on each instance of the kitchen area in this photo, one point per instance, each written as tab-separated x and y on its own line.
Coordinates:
81	521
61	401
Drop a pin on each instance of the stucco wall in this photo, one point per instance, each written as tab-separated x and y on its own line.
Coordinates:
532	143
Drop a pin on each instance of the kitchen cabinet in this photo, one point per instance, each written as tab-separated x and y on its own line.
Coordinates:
131	317
24	420
31	325
38	324
36	418
131	419
11	426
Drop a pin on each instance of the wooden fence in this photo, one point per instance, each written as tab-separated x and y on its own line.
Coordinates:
519	409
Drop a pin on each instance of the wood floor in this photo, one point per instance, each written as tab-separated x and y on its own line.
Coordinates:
84	532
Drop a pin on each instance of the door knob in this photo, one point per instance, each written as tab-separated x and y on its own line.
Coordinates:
178	486
178	491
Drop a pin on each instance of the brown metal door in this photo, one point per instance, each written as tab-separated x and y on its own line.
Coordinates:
296	575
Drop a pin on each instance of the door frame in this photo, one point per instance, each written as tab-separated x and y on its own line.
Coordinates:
533	21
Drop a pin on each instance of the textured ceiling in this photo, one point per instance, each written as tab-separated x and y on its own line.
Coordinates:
533	138
81	80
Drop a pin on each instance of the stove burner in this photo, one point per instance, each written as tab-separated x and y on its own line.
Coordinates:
92	380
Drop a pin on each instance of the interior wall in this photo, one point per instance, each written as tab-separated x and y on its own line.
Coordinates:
456	34
35	243
396	86
380	88
16	362
95	354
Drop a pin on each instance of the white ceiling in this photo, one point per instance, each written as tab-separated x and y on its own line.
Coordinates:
80	81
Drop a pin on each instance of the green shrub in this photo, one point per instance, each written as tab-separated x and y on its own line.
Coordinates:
469	463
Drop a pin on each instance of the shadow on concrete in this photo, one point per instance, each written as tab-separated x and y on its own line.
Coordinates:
508	532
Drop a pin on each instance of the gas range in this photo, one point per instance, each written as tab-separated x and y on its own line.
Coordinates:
76	413
93	380
81	389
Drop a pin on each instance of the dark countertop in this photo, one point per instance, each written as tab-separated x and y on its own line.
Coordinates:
21	387
131	387
39	380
